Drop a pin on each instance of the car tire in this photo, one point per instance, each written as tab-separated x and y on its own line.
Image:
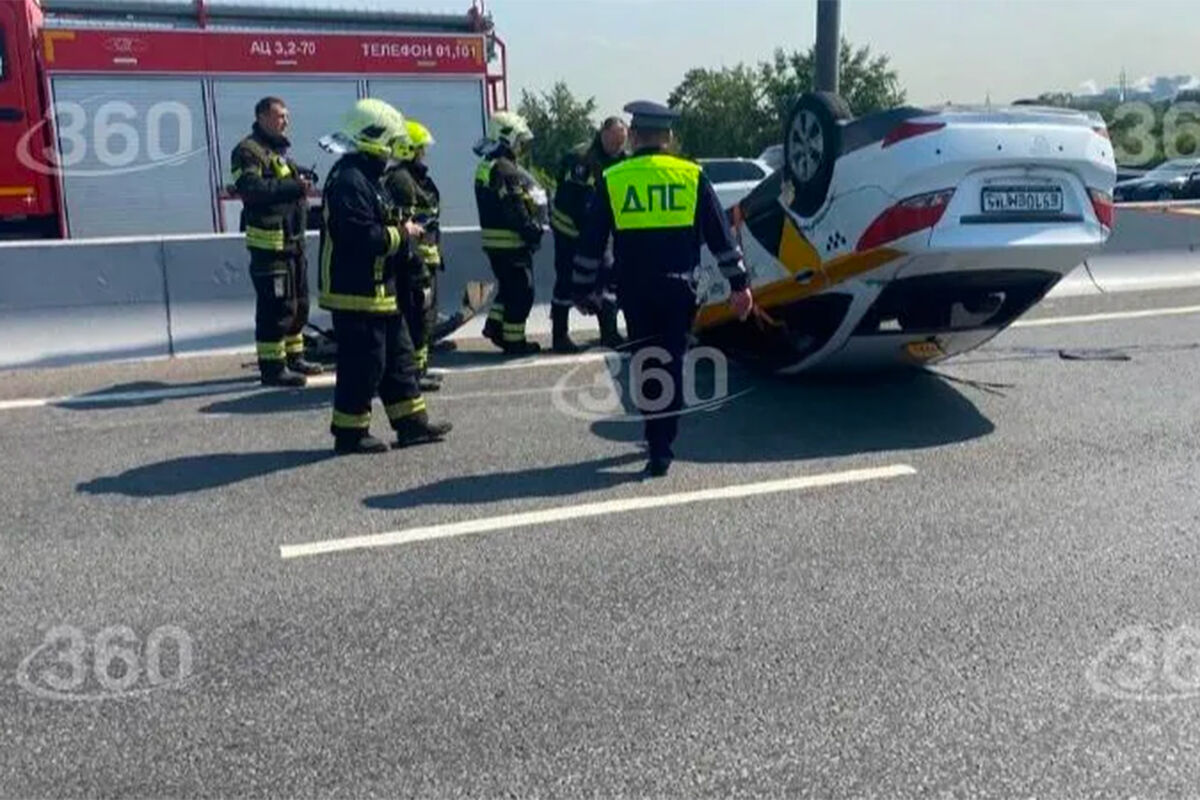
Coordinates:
812	142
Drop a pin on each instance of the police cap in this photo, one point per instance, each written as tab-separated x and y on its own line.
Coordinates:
651	116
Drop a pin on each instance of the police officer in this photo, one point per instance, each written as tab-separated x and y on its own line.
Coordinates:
578	175
361	237
511	231
658	209
413	191
274	218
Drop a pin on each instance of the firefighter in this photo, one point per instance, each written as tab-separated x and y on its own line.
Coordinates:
578	175
511	231
413	191
361	241
274	217
658	209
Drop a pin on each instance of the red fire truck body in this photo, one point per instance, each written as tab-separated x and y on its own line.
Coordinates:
118	117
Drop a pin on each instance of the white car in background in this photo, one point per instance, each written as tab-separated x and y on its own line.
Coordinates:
910	235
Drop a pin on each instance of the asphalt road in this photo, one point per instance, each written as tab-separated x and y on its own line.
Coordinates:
1012	611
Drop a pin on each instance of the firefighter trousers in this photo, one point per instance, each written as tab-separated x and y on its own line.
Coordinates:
420	311
514	276
281	306
374	356
659	314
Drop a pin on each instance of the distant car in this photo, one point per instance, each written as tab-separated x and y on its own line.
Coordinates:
772	156
1175	180
735	170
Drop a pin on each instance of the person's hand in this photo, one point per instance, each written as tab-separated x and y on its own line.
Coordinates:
305	183
742	303
588	305
414	230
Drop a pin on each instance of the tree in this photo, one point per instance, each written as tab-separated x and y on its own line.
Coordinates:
865	82
738	111
721	112
559	121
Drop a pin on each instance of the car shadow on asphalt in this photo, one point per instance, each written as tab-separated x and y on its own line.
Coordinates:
821	416
766	420
198	473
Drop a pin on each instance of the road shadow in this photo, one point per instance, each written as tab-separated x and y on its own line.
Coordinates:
274	402
552	481
198	473
132	395
820	416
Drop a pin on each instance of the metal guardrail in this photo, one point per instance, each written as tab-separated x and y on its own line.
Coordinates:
77	301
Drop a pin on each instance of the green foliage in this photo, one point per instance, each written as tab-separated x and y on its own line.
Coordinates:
559	121
739	111
730	111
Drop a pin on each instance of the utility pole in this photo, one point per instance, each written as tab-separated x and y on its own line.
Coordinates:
828	44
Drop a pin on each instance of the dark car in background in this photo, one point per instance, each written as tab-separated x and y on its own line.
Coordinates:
1178	179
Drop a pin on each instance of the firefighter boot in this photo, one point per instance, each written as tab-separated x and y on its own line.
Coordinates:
301	366
357	443
417	429
562	341
276	373
610	337
493	328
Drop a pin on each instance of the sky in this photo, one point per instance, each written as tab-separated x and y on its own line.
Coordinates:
944	50
961	51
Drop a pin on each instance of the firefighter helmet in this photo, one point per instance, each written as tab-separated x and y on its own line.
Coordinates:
508	128
419	135
374	128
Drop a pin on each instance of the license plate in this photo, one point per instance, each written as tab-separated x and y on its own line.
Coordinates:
1022	200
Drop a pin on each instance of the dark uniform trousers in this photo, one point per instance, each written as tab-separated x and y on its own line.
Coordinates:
420	310
375	355
659	312
514	275
281	301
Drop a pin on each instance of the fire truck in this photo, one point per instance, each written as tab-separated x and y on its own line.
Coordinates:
118	117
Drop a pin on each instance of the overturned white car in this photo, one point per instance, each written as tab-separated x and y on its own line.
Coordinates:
910	235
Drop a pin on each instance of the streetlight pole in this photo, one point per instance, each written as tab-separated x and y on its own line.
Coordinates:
828	44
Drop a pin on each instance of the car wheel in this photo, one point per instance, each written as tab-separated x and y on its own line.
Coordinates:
812	142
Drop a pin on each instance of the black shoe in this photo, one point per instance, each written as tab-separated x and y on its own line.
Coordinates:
564	345
358	445
613	341
493	331
279	375
521	348
303	367
610	337
658	466
417	429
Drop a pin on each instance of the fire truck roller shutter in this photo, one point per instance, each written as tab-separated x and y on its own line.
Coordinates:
453	109
316	108
136	155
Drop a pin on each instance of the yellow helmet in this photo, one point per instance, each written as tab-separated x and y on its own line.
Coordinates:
509	128
374	128
419	135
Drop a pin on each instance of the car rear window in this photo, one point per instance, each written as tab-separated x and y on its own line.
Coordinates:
732	171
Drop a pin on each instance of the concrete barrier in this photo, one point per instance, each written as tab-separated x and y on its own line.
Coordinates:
96	300
68	301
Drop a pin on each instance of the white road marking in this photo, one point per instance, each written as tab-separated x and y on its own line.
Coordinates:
1112	315
563	513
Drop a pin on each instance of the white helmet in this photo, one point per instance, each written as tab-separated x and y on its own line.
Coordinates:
371	127
509	128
